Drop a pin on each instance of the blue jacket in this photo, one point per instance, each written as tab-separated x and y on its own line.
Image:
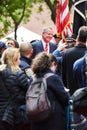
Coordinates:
78	71
58	55
25	62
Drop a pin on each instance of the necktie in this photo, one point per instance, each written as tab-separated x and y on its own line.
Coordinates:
46	48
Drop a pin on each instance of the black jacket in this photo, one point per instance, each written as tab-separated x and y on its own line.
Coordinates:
12	95
69	57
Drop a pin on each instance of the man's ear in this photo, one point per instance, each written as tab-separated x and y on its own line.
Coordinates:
77	39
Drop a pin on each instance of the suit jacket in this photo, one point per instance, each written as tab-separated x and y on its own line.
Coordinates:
69	57
38	47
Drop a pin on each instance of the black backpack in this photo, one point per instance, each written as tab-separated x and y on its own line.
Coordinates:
38	106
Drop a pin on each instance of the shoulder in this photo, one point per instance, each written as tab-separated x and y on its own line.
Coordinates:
36	43
69	52
24	64
21	78
78	64
53	78
53	44
20	73
5	72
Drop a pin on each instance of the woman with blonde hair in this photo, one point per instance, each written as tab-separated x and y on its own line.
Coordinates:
13	87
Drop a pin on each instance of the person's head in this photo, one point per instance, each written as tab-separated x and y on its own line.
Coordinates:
2	47
41	63
70	41
26	49
82	34
53	65
57	37
12	43
11	58
47	34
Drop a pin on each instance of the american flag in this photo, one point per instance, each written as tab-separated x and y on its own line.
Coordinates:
63	24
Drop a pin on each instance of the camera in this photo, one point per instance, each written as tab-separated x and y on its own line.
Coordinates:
69	45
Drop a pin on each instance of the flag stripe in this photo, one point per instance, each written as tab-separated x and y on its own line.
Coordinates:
63	24
63	4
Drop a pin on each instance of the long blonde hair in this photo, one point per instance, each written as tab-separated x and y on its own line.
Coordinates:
9	58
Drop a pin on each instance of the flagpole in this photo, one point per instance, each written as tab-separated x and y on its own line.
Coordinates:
86	12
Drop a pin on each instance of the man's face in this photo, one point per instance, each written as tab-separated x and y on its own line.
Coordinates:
48	35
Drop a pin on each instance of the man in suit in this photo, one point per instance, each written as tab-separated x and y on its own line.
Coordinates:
45	43
70	56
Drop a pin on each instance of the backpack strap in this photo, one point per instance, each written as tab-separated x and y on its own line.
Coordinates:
48	75
53	98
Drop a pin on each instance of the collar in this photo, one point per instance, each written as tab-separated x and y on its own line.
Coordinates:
81	45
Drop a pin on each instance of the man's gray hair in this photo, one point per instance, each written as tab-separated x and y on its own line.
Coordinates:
47	28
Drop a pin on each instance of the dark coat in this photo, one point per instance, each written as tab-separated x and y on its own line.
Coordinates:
38	47
13	95
25	62
69	57
56	93
25	65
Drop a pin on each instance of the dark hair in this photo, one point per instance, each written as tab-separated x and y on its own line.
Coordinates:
57	35
16	43
82	34
52	58
40	63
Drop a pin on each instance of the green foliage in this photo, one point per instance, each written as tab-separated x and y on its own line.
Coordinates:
52	1
12	13
40	9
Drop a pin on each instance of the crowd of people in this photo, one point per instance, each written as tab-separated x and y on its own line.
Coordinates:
20	62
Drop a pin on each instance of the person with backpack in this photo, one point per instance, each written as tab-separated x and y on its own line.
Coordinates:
58	97
13	87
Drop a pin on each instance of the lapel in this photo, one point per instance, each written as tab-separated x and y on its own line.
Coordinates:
41	45
50	47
